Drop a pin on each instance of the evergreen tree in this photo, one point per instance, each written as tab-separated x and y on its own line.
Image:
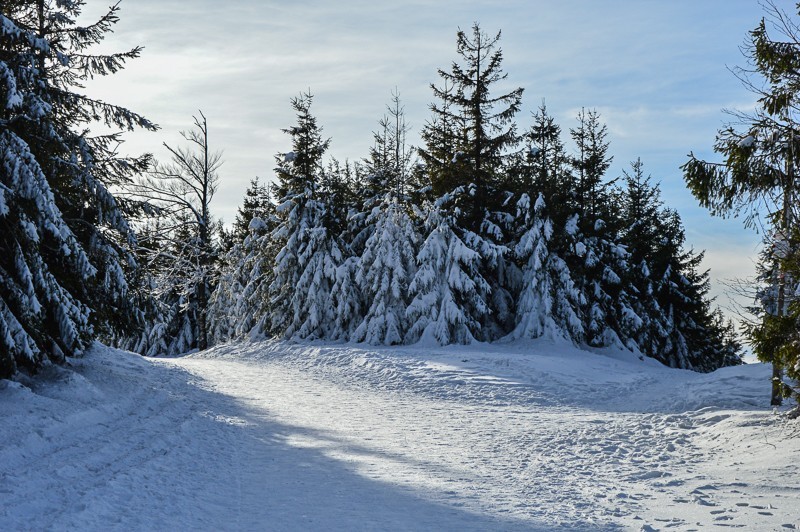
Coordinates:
239	305
679	327
442	136
386	259
758	174
591	192
642	216
541	167
63	235
306	265
546	235
487	131
257	203
468	143
774	334
547	299
384	273
449	296
598	262
340	197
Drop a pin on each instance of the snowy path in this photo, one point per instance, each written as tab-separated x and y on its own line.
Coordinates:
277	437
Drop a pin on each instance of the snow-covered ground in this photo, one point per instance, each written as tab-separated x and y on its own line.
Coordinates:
274	436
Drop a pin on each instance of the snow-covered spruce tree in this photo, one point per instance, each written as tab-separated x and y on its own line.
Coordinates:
641	215
680	329
239	305
387	264
695	332
338	193
541	171
180	194
449	296
63	235
385	271
477	126
257	203
481	123
306	265
548	298
387	170
541	168
598	262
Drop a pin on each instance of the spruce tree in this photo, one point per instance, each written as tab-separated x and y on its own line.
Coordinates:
468	147
257	203
442	138
545	234
240	304
386	264
757	176
306	265
487	131
598	262
541	167
534	310
64	236
641	216
591	192
449	296
385	271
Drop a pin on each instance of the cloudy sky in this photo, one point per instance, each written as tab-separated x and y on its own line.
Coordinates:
656	70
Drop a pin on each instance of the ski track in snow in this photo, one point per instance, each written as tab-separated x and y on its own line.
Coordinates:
276	436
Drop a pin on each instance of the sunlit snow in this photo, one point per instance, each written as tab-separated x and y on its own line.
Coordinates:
275	436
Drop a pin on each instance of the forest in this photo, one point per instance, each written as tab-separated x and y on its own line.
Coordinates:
490	231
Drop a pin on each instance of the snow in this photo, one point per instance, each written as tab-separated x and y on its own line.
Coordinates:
747	142
276	436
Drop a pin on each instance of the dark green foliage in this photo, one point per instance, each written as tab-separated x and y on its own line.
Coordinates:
758	177
307	233
472	129
681	329
542	167
257	203
65	238
591	190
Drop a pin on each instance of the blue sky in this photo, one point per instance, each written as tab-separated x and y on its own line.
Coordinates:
656	70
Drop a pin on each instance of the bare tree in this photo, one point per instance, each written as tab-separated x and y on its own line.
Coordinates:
180	193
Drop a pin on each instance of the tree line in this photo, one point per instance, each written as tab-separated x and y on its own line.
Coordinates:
485	232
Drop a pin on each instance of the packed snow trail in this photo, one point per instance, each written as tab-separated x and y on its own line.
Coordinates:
271	436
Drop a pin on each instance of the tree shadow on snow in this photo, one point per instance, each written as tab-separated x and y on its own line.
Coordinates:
205	461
